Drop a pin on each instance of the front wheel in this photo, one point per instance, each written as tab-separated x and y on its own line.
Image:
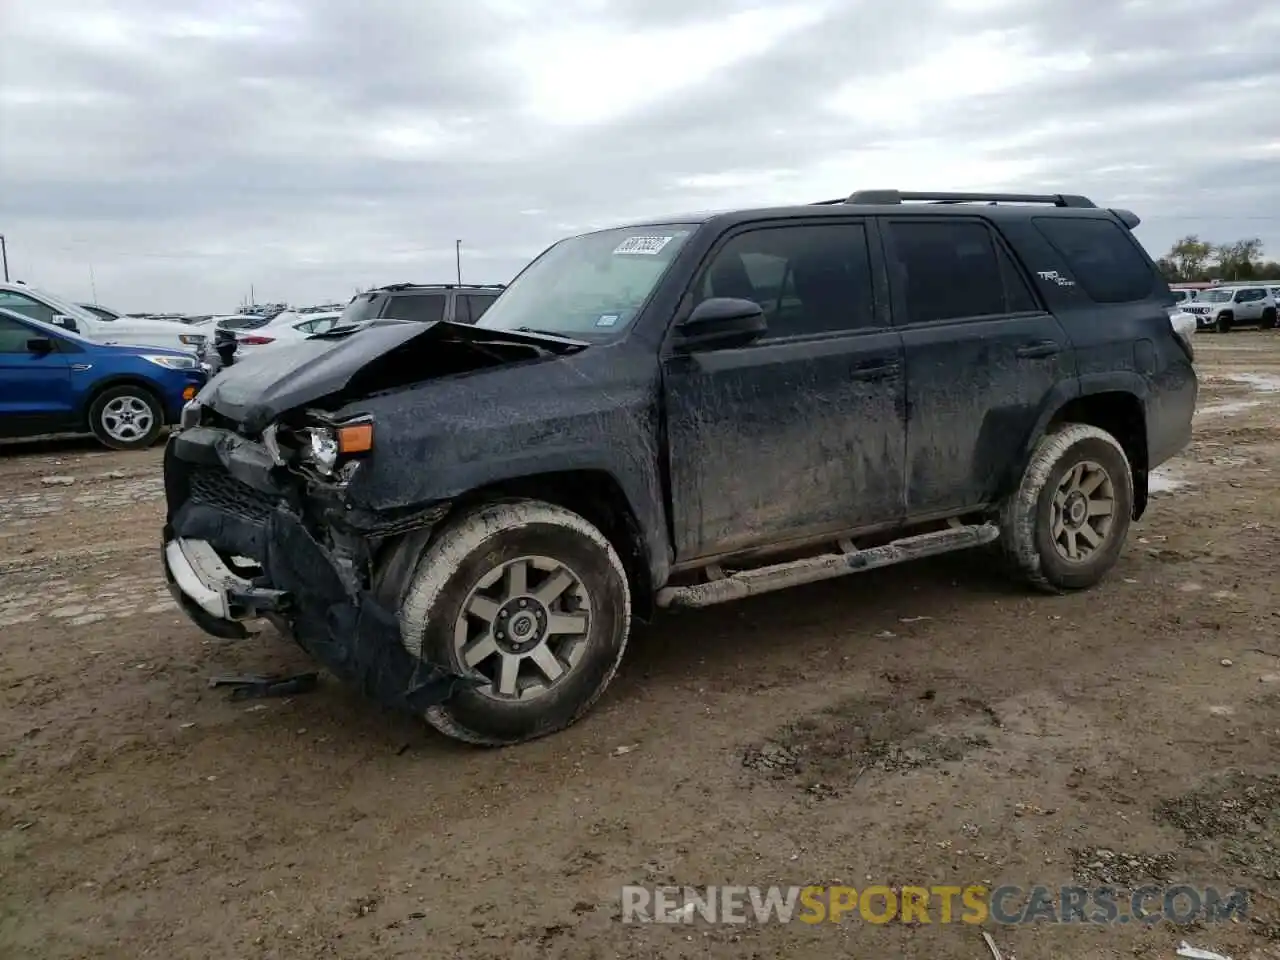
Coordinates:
530	600
1065	526
1223	323
126	418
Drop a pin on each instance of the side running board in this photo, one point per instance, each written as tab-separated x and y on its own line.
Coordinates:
826	566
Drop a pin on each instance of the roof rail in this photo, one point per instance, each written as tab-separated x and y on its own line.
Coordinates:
893	197
443	286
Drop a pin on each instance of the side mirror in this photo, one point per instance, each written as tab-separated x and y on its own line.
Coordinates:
67	323
40	346
721	322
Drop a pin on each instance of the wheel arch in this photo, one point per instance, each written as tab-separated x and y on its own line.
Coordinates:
594	494
1115	403
122	380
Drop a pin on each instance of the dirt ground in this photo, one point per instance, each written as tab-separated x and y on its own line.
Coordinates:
926	724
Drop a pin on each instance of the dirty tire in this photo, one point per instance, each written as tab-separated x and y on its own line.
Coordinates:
1223	323
477	542
1268	319
1025	520
134	398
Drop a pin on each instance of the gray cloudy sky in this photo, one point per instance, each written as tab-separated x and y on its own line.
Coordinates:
185	151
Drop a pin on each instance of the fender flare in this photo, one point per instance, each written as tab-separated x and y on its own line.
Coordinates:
1115	381
642	492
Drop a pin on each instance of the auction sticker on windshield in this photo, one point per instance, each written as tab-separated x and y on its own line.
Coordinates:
644	245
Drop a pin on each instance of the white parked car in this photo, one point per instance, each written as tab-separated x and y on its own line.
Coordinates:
275	334
1235	305
128	331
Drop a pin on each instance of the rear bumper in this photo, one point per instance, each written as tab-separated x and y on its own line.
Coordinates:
295	582
1171	408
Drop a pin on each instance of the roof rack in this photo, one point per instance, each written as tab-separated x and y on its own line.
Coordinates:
443	286
894	197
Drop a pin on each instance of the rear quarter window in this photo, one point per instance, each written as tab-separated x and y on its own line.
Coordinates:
1103	257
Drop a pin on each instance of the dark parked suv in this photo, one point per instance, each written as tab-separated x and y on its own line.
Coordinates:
423	303
463	520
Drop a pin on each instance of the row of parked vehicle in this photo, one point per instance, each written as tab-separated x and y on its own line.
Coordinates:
74	368
68	367
1223	307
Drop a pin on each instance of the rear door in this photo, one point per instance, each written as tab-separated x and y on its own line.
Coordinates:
982	355
35	388
801	432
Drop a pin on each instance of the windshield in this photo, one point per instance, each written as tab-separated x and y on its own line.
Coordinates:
1216	296
1181	296
592	285
361	308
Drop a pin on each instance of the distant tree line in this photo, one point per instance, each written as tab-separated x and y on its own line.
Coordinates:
1194	260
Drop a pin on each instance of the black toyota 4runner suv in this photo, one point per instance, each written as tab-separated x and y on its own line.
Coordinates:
463	519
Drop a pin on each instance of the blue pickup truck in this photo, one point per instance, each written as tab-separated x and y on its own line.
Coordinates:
55	381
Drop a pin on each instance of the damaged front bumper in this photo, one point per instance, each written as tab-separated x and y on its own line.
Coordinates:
236	549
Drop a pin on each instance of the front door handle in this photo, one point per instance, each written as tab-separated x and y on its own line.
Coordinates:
1039	349
876	370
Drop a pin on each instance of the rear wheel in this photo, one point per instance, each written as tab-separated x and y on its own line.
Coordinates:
126	417
531	601
1223	323
1268	318
1065	526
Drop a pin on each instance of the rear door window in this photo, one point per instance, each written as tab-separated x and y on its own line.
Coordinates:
1102	256
420	308
949	269
472	306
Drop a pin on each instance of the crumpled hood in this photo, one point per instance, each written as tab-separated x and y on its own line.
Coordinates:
257	390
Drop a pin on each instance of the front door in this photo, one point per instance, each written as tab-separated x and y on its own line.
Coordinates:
1249	304
981	353
35	388
801	432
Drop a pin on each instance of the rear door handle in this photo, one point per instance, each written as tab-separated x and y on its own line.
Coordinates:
1039	349
876	370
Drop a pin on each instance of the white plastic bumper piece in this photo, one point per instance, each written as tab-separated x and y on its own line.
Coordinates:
200	573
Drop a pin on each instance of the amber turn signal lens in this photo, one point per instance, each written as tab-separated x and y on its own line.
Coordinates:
188	392
356	438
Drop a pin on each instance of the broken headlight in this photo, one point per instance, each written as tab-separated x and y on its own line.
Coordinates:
321	450
327	445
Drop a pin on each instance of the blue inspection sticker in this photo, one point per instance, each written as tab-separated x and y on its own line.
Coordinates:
607	320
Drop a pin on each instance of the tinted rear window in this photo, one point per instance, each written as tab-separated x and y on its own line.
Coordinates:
1103	257
951	269
471	307
419	307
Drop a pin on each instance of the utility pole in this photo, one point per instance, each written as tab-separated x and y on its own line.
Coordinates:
93	285
457	255
4	255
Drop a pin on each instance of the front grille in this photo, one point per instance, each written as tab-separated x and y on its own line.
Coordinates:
219	489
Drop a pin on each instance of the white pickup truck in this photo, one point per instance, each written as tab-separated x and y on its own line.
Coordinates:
131	331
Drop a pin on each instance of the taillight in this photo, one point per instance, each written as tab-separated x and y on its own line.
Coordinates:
254	340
